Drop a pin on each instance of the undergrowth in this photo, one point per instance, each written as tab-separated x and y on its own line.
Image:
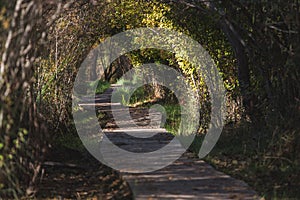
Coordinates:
100	86
265	155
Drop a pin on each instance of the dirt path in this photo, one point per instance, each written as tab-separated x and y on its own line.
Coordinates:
187	178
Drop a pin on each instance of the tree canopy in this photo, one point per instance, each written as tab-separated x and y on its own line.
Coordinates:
255	45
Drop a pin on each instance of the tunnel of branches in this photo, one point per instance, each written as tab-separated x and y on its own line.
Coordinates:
43	43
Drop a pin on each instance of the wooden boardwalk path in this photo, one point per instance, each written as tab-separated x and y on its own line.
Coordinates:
187	178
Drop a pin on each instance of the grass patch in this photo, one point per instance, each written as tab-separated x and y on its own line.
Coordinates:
139	96
91	87
173	118
101	86
69	141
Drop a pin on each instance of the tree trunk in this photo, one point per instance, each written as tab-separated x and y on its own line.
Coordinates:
93	68
243	66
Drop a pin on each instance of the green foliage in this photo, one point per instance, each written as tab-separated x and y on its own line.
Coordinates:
101	86
69	141
139	95
173	118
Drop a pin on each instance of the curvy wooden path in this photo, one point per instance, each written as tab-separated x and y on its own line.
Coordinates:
186	178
